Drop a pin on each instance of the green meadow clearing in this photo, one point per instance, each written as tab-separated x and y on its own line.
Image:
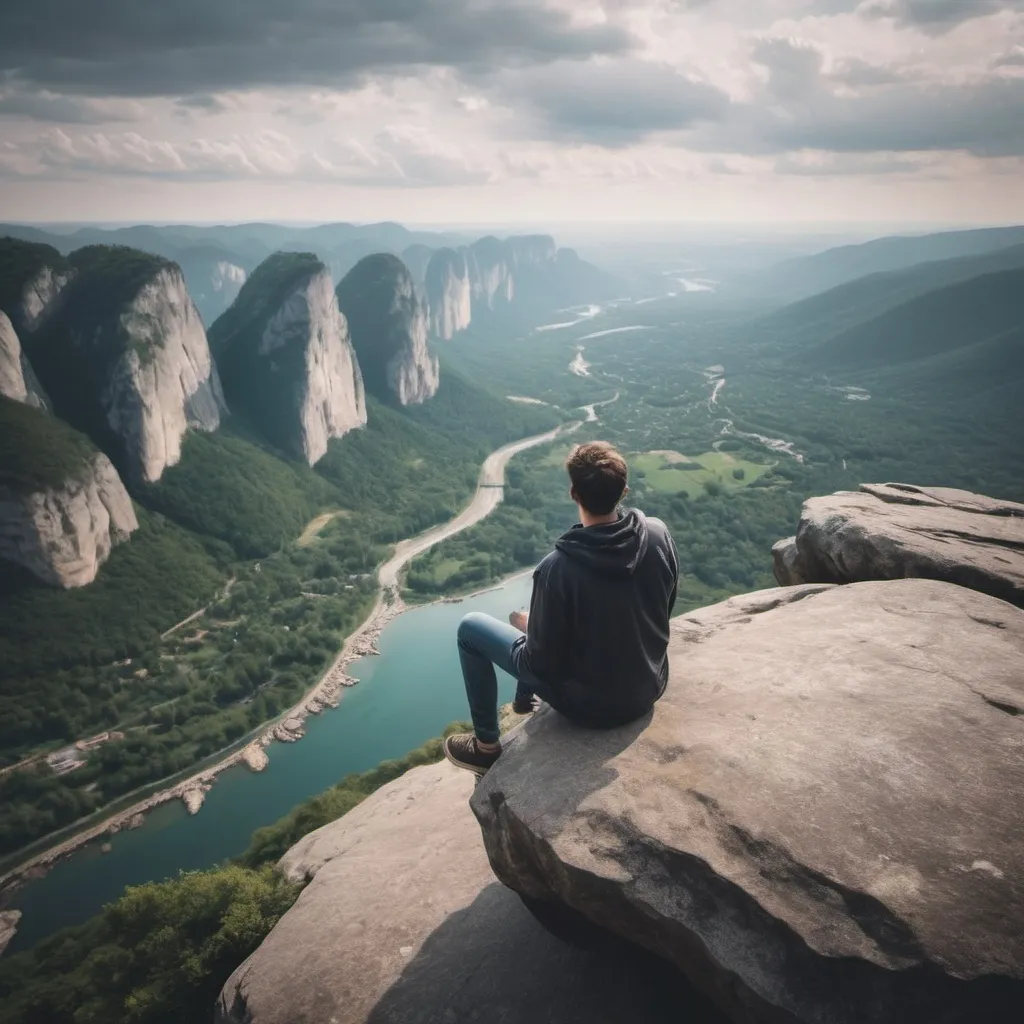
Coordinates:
672	472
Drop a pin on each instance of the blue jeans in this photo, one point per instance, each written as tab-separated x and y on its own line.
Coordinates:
483	643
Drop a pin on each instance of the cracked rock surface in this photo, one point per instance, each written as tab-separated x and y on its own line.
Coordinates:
894	531
402	922
821	819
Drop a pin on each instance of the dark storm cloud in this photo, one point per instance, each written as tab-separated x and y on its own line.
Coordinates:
611	103
43	106
147	48
937	16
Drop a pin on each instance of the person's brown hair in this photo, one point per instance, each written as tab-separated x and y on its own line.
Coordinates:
598	475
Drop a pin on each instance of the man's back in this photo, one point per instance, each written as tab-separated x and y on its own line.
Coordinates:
598	625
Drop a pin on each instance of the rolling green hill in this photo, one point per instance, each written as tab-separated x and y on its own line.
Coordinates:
809	275
867	297
953	319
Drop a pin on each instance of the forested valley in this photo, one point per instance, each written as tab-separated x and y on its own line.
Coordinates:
222	531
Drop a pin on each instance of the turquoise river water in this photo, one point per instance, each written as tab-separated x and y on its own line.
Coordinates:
405	696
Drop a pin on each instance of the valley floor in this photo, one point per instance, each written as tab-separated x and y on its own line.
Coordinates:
287	727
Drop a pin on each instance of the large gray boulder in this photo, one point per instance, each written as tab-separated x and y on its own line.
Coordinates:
821	819
895	531
403	923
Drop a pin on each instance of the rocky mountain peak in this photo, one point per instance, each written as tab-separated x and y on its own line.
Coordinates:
287	358
388	324
449	293
125	358
32	276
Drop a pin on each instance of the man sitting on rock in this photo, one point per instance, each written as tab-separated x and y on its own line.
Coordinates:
594	645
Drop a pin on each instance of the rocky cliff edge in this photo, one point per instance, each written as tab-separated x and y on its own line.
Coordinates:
403	921
819	822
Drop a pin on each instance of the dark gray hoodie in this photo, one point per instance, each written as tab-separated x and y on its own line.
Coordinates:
597	636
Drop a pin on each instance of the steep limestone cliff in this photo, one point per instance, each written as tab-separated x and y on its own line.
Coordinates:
63	506
31	278
524	271
287	359
531	250
125	358
449	293
40	295
17	380
388	323
491	272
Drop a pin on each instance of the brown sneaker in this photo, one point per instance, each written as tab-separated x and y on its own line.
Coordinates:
462	750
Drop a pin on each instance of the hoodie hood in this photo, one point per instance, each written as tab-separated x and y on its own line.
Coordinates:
613	549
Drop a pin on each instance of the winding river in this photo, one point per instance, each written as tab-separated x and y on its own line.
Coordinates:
416	691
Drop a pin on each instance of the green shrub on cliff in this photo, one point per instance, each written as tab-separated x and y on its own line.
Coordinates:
37	450
160	954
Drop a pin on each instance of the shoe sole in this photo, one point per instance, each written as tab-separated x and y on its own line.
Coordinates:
476	769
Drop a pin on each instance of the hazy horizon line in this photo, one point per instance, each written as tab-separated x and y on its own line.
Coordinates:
787	226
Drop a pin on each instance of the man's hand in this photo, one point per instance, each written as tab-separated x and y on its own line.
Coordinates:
518	619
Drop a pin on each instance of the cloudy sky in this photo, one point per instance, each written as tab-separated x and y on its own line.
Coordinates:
463	111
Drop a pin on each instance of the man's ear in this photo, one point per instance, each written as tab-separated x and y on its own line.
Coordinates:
625	490
572	493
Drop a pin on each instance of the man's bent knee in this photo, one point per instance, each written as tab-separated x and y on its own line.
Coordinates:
470	627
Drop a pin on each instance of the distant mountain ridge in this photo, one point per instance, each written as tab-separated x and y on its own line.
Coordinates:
808	275
216	259
199	249
955	318
493	274
866	297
